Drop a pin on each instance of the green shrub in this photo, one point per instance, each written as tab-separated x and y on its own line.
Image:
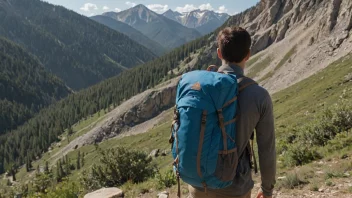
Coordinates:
42	182
341	141
291	181
299	154
329	183
314	187
327	130
319	133
167	179
342	116
117	167
333	174
63	190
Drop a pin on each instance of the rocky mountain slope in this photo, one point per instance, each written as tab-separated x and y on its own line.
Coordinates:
76	49
204	21
294	38
131	33
139	110
166	32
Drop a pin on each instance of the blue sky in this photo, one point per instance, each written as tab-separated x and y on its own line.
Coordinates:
94	7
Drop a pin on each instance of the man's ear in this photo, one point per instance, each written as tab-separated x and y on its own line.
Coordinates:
248	56
219	53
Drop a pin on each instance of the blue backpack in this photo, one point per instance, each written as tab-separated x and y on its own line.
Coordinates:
203	134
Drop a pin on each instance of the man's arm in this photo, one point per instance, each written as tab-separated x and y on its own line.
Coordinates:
266	146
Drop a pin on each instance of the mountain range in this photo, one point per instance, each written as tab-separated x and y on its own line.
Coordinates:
132	33
78	50
204	21
159	28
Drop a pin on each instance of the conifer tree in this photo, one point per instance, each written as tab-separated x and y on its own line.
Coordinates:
28	165
58	172
62	173
13	172
70	130
82	160
78	163
46	168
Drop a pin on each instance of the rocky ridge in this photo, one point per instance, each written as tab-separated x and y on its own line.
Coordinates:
318	29
135	114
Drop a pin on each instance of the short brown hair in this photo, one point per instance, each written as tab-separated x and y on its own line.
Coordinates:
234	44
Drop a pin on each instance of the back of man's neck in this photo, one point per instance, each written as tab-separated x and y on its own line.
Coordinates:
241	65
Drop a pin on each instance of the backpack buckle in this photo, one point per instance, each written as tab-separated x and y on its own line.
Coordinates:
204	118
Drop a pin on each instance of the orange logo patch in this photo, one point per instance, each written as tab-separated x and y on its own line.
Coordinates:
196	86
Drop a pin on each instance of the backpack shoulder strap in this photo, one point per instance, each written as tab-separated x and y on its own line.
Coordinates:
245	82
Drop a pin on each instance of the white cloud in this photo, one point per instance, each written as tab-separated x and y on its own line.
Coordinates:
91	14
186	8
206	7
117	9
222	9
106	8
88	7
131	4
158	8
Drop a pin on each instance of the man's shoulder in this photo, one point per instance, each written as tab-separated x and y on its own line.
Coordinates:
255	88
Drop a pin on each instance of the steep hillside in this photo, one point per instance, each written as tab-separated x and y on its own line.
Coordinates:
166	32
204	21
291	107
288	52
78	50
131	33
25	86
30	140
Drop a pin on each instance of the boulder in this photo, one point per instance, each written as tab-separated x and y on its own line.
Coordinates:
105	193
154	153
163	195
164	153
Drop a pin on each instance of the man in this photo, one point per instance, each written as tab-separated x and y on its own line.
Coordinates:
256	114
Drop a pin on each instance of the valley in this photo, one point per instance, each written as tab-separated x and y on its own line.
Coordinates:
300	54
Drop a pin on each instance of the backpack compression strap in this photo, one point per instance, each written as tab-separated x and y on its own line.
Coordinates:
242	85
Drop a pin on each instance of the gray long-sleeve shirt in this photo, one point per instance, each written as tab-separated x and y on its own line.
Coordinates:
256	114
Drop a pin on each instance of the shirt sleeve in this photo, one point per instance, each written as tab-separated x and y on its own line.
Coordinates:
265	132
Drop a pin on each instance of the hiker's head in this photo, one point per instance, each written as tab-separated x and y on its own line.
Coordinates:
234	45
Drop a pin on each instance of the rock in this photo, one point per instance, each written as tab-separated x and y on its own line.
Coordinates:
348	78
105	193
261	41
333	13
283	27
321	189
164	153
154	153
334	192
163	195
319	172
281	178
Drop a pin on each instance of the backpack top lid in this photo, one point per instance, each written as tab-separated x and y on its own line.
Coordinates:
208	90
